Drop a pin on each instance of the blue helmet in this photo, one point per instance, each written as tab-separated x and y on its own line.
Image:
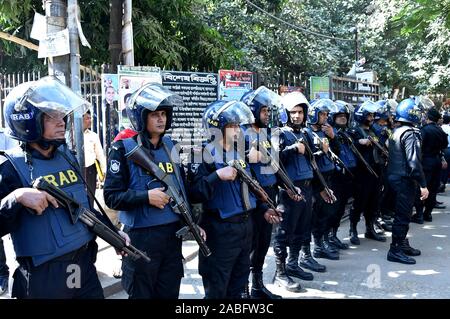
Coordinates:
320	105
262	97
364	110
149	98
341	107
27	103
221	113
409	111
385	109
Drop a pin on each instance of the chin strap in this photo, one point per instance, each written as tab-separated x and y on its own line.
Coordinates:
45	144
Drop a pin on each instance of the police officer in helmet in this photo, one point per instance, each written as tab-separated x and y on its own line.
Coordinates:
405	175
227	202
260	102
46	243
144	206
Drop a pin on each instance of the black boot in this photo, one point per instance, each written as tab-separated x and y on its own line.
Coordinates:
354	234
321	250
307	261
427	216
292	268
245	294
396	254
335	241
283	280
329	246
259	291
407	249
417	219
371	233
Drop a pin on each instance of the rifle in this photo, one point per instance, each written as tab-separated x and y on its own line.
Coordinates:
253	184
78	212
357	153
333	157
279	171
315	167
375	142
142	158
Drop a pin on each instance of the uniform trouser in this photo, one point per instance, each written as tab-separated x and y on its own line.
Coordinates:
295	229
387	199
343	190
71	276
91	180
161	277
432	171
366	197
405	192
445	172
225	272
323	212
262	231
4	270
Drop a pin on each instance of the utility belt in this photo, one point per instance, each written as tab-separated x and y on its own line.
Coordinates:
236	219
303	183
72	256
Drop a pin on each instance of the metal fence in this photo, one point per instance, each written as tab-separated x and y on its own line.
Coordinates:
91	90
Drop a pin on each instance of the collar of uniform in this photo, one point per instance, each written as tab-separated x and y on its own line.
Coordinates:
36	154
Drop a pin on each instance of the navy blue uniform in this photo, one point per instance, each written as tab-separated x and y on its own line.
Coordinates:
61	244
405	175
295	229
366	185
150	229
227	224
344	185
262	230
323	212
434	141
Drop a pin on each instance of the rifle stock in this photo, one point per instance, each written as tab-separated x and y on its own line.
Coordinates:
253	184
142	158
77	212
280	172
358	153
378	145
315	167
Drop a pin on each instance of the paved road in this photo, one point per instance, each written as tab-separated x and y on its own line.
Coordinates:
363	271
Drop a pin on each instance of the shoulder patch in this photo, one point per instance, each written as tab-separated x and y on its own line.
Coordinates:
114	166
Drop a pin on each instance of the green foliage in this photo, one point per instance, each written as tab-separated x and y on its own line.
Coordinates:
407	42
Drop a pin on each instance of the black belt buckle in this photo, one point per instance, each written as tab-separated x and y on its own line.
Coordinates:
305	182
238	219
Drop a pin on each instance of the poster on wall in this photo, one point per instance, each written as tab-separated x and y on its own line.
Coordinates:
234	84
319	87
198	90
131	78
110	88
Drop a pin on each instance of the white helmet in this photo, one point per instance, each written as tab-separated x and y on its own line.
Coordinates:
293	99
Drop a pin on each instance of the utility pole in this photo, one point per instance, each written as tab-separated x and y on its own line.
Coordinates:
127	34
75	79
356	45
56	12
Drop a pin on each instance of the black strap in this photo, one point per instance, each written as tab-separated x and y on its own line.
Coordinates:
177	173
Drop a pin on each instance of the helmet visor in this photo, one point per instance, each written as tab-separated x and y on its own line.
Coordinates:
151	96
424	102
265	97
54	98
235	112
369	107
